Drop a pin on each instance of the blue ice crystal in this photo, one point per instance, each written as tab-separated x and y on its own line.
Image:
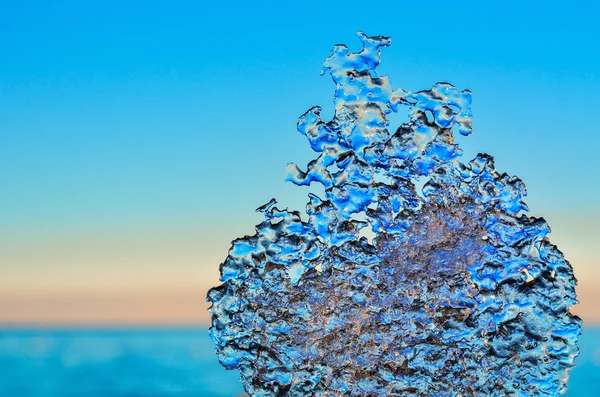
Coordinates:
459	293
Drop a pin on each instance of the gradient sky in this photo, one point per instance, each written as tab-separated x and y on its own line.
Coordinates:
136	139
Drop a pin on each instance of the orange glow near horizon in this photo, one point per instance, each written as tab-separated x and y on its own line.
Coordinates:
166	308
153	308
160	276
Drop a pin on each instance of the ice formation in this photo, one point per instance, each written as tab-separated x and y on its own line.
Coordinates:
458	294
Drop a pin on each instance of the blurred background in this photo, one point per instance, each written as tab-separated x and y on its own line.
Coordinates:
137	138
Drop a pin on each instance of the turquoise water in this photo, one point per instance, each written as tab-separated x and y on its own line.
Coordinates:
112	363
160	362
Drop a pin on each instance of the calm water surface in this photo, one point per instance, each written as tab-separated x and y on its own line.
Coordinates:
159	362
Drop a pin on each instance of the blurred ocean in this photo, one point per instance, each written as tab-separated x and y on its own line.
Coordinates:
159	362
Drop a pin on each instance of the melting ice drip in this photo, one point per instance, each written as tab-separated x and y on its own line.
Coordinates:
458	294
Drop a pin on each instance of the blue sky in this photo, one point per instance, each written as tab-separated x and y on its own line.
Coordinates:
145	134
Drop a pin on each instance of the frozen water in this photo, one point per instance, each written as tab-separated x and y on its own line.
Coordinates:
459	293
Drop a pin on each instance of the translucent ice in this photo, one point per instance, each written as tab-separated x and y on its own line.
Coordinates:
459	293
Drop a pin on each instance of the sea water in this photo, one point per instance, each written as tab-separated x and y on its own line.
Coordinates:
160	363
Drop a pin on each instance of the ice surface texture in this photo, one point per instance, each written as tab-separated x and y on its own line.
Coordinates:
458	294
